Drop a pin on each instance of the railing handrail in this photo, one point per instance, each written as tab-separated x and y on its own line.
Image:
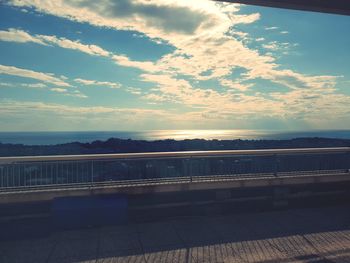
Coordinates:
178	154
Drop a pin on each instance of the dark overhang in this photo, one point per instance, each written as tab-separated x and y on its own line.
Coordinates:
325	6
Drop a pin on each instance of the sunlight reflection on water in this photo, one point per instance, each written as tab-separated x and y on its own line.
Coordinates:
204	134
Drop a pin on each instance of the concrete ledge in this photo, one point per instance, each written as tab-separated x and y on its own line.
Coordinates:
36	195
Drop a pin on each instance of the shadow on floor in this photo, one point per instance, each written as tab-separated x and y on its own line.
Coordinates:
298	235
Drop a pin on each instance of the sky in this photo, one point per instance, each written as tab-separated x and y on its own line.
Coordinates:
170	64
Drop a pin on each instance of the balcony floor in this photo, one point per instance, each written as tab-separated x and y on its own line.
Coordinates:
298	235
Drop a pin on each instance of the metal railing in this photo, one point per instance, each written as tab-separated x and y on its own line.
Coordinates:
74	170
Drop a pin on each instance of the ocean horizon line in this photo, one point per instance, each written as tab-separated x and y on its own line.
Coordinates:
61	137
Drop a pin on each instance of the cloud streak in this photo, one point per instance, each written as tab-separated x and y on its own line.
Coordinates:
21	36
86	82
26	73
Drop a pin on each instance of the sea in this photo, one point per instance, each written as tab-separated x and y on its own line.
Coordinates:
60	137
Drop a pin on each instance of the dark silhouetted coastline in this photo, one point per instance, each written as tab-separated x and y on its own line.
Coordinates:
115	145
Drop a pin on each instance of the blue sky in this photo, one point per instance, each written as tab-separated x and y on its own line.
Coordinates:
139	65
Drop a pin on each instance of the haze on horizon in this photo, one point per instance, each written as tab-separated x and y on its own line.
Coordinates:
171	64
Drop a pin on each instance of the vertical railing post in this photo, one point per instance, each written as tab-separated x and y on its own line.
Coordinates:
92	172
13	175
1	177
190	168
275	172
24	175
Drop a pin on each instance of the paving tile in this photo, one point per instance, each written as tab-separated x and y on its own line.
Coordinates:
195	232
115	242
79	249
339	257
271	253
168	254
128	229
229	255
338	238
208	253
238	251
73	260
121	256
330	245
158	235
30	250
230	230
80	234
198	254
284	251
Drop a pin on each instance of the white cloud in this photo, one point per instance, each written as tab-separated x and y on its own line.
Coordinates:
17	35
205	55
271	28
75	45
77	95
6	84
135	91
203	22
242	35
180	91
64	91
272	45
152	17
20	36
34	85
279	46
45	77
294	80
235	84
314	106
59	90
26	73
27	107
123	60
71	93
86	82
208	105
199	37
206	46
245	19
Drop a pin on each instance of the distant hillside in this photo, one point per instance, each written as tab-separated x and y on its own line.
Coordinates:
114	145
